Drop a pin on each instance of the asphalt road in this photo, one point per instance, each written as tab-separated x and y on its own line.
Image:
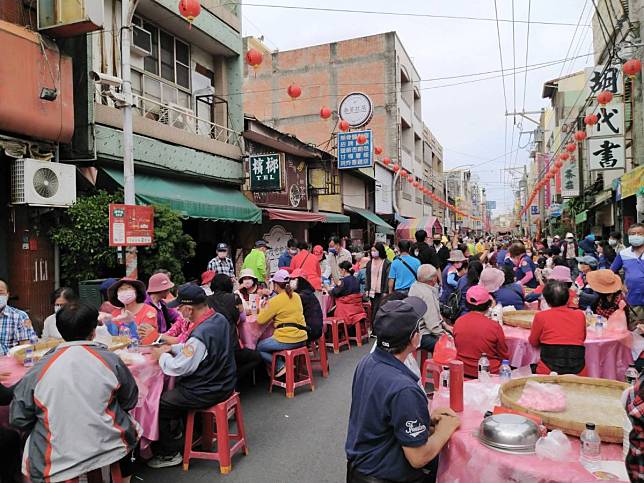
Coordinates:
290	440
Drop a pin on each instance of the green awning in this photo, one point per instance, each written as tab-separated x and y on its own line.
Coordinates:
193	199
372	217
335	217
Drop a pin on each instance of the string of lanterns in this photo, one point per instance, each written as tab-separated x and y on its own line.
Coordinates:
631	68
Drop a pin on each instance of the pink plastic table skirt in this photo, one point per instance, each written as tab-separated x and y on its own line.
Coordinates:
149	380
465	459
250	332
607	357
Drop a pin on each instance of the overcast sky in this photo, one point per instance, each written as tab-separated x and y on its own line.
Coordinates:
469	120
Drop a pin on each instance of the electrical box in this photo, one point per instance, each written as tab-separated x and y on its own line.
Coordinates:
68	18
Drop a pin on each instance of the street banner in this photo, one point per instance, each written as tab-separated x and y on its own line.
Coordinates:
352	154
606	153
632	182
570	179
131	225
266	172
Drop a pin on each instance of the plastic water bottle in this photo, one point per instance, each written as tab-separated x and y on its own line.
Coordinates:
444	380
124	331
590	449
496	313
29	357
599	326
505	372
589	315
631	375
484	368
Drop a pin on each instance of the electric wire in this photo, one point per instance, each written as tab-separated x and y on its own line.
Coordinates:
572	41
527	50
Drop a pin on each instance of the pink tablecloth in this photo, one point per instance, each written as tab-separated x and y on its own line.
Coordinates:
250	332
149	380
465	459
607	357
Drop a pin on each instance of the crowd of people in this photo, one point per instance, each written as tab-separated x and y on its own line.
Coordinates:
419	292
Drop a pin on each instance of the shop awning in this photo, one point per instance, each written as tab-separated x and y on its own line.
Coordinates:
293	215
193	199
372	217
335	217
408	228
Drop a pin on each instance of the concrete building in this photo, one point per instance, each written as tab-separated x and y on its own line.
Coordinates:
376	65
459	192
433	173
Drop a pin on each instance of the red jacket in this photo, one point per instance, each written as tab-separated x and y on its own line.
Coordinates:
310	265
349	308
474	333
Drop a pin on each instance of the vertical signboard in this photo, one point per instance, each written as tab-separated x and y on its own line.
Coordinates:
131	225
265	172
352	153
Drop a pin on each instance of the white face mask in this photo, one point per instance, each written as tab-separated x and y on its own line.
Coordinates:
612	242
57	307
293	284
248	283
3	301
636	240
222	254
126	296
375	255
206	288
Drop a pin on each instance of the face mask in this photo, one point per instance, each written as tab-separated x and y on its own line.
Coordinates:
333	250
248	283
222	254
206	288
570	240
3	301
612	243
57	307
580	267
293	251
293	284
375	255
126	296
636	240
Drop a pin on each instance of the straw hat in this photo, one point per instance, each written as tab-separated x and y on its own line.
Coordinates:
604	281
456	256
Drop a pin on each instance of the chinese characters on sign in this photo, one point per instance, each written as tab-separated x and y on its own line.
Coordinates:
356	108
265	172
534	209
610	120
354	155
570	179
606	79
131	225
606	153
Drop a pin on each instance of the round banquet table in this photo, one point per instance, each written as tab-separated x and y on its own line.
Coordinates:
607	357
148	377
465	459
250	332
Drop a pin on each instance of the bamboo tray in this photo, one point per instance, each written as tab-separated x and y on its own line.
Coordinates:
519	318
588	400
42	347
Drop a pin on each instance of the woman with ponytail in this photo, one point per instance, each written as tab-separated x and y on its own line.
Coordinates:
348	284
287	314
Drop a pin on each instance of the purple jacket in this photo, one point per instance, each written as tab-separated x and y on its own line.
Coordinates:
165	315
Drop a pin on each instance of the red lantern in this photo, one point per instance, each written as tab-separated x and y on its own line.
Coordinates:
344	125
632	67
604	97
294	91
403	173
416	184
254	58
552	170
591	119
386	161
580	135
325	112
395	167
361	139
564	156
189	9
571	148
377	150
559	163
410	178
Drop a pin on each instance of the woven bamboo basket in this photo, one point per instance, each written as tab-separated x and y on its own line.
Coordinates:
40	349
119	342
588	400
519	318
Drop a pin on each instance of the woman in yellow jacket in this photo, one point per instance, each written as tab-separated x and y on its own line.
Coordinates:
286	312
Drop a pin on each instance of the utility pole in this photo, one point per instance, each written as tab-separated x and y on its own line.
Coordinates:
127	11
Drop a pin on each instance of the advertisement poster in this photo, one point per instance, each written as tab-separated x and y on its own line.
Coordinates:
131	225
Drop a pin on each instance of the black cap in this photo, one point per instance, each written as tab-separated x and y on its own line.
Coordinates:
396	320
221	247
261	243
189	294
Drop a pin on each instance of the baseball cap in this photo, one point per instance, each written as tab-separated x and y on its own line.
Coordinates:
221	247
587	260
189	294
261	243
207	276
477	295
281	276
397	320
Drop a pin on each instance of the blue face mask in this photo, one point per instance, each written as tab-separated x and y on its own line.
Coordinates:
636	240
333	250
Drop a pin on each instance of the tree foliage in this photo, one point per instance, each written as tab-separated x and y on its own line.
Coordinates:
82	236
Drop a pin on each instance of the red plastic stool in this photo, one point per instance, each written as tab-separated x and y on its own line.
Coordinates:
361	332
290	356
317	350
336	341
433	368
96	476
423	356
222	434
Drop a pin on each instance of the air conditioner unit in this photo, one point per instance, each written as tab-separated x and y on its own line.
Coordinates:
141	41
42	183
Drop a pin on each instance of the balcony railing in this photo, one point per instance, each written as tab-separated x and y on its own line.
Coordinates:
174	115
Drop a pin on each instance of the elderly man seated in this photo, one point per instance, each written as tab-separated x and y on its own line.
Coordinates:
426	289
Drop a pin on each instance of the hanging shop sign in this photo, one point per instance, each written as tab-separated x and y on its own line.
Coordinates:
610	119
355	149
606	153
294	194
570	179
131	225
581	217
266	172
555	210
606	79
356	108
534	209
632	183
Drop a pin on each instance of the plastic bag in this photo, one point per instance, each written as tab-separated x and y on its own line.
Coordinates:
482	397
555	446
617	322
543	397
444	350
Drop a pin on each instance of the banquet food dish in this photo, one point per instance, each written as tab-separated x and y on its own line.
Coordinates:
588	400
519	318
42	347
509	432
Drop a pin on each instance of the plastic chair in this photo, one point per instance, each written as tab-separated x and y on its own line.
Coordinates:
337	341
225	452
318	355
290	356
361	332
434	369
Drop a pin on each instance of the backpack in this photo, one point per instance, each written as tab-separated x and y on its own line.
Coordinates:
452	308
